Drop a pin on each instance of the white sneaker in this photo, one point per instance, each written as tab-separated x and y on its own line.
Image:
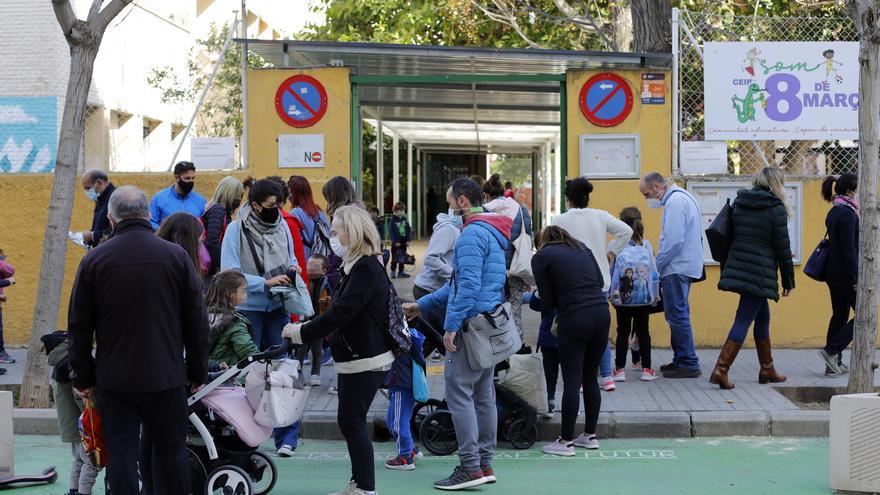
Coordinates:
619	375
586	442
316	380
649	375
286	451
333	390
607	384
559	448
348	490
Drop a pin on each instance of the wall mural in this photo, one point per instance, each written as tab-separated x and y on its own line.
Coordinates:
28	136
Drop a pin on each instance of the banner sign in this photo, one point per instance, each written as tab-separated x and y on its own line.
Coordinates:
781	90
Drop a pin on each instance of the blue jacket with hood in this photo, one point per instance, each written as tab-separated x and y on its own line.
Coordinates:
479	272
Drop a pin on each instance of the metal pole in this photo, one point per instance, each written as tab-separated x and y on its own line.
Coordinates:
380	168
395	167
409	180
244	85
557	173
547	182
204	93
563	142
676	138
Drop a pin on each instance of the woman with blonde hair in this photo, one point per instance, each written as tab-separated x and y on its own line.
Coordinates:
760	248
356	323
218	214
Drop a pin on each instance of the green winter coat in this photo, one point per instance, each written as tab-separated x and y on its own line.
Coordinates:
231	339
760	246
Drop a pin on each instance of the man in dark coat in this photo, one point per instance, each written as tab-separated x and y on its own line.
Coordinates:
138	299
98	188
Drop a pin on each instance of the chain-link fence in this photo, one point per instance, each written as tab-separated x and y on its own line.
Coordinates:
796	157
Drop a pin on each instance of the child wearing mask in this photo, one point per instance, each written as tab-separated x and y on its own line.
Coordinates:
400	233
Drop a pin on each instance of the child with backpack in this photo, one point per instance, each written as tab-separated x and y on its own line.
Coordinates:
400	233
231	333
402	390
635	288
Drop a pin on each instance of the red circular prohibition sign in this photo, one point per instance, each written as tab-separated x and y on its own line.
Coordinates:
314	107
593	94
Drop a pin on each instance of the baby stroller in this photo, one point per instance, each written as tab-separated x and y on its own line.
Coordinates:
432	421
223	438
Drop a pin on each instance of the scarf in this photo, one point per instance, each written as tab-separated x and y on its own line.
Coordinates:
271	245
842	200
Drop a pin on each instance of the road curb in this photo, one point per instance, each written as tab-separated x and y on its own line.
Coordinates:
797	423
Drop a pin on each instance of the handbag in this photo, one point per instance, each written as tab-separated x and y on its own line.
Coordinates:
295	299
719	235
490	338
521	263
815	267
419	383
277	392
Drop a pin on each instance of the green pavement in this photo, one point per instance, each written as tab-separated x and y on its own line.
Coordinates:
753	466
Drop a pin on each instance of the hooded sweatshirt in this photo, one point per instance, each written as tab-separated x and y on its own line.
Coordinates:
438	258
479	270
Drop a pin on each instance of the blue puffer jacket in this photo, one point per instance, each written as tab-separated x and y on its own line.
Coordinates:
479	272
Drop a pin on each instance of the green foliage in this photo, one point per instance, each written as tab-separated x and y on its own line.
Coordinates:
514	168
221	113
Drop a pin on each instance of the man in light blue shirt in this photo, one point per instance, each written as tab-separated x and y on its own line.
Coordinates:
179	197
680	263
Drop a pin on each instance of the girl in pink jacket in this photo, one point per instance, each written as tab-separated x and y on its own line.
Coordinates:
6	279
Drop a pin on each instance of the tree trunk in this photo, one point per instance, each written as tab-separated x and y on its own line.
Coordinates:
622	26
35	388
652	26
861	378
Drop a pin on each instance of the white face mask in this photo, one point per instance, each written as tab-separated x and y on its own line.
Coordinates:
456	218
337	247
654	203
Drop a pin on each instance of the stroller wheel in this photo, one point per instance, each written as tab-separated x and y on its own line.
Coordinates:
263	472
229	480
438	433
421	411
522	433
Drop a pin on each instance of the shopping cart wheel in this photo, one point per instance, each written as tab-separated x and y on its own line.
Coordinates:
438	433
229	480
263	472
522	433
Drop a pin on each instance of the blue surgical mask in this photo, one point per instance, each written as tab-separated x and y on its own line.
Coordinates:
92	194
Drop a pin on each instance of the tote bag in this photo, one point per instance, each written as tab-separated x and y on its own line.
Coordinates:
719	235
521	263
815	267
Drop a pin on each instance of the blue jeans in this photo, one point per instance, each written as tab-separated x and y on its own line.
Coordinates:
400	409
605	363
751	309
267	326
287	435
676	289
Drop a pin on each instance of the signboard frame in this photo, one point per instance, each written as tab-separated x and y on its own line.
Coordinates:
633	171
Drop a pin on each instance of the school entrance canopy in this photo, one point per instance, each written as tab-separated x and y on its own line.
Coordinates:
444	99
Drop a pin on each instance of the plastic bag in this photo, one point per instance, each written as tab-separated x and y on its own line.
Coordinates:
277	392
525	378
92	434
419	383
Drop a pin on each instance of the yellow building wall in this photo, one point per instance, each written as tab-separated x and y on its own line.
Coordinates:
800	320
24	200
264	124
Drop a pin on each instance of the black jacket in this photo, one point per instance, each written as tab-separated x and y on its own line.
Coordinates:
215	220
760	246
100	222
139	298
568	280
843	255
358	313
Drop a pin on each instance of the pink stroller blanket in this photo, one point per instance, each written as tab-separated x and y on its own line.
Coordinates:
231	404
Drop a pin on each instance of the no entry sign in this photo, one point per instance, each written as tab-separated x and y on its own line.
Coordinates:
606	99
301	101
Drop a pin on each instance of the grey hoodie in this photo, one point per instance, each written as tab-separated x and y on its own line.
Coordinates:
438	258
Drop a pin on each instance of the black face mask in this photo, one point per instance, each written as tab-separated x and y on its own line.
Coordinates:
186	187
269	215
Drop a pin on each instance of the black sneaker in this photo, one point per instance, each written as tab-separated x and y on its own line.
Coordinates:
461	479
667	367
682	373
2	371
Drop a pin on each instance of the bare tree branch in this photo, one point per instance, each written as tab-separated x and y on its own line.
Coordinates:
65	15
506	16
109	12
96	8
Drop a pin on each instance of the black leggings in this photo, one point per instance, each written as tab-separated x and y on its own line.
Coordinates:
551	369
583	337
632	320
356	393
840	328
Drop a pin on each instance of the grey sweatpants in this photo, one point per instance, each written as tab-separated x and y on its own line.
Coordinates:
83	472
471	399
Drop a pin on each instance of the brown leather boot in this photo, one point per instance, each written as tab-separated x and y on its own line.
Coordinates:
722	367
768	373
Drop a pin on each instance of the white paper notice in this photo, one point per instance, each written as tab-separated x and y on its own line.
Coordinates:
703	157
609	155
216	153
301	150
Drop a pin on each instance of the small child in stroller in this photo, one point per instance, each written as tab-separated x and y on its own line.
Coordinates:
231	333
